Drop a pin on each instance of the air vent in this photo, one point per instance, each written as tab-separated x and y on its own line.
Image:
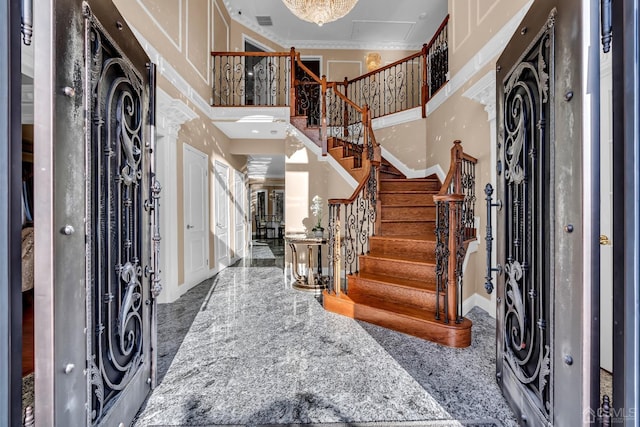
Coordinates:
264	21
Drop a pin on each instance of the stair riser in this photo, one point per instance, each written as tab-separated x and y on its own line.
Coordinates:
412	249
404	228
408	213
400	199
396	268
419	298
432	331
402	185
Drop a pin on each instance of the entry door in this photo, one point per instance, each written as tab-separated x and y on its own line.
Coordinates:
196	215
94	210
222	194
240	202
545	241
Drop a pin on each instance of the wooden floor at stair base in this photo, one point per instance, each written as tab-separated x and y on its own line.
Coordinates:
411	321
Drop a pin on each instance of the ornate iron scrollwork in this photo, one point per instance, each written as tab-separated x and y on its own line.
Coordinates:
117	110
525	151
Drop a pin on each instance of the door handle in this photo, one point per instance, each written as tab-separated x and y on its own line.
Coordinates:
190	226
488	284
604	240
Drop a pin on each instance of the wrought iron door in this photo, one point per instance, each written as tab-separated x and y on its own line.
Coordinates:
540	287
95	360
121	201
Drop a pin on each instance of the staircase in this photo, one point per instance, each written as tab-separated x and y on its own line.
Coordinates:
396	285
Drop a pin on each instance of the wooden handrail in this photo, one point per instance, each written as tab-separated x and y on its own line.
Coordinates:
457	155
344	97
386	67
372	162
306	69
438	31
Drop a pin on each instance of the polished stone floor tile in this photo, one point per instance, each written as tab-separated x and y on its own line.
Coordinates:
258	352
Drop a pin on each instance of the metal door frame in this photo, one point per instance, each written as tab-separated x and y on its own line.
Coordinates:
10	217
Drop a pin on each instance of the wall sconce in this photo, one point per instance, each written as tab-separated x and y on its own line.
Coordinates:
373	61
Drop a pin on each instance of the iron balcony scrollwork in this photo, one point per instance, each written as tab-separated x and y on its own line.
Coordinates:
524	148
118	108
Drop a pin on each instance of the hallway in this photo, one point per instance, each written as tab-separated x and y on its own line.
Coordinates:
243	348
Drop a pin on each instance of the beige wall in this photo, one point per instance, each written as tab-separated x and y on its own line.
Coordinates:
183	31
407	142
472	23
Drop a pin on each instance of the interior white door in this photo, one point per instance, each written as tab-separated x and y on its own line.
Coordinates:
222	215
606	204
240	214
196	213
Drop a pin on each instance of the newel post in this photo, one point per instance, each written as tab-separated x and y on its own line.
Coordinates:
456	159
292	89
337	256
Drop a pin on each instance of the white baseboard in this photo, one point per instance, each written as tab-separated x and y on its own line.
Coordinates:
174	293
477	300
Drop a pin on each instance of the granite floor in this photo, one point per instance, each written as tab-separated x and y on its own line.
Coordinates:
244	348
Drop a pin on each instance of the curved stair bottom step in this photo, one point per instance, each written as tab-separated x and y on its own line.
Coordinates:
411	321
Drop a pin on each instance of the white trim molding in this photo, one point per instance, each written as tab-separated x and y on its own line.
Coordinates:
177	45
413	173
477	300
397	118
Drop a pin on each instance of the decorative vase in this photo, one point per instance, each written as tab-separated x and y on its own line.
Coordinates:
318	231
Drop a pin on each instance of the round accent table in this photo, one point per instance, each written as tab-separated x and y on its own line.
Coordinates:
312	282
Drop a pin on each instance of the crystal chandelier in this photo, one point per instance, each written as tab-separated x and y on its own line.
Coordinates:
320	11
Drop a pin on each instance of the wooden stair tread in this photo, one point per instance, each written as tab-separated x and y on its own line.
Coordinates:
415	313
398	281
398	205
411	237
409	220
400	258
430	192
409	180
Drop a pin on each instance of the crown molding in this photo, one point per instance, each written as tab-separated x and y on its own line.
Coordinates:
171	113
484	92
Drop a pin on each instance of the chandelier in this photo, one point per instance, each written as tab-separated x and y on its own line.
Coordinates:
320	11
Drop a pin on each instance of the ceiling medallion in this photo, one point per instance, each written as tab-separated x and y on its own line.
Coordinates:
320	11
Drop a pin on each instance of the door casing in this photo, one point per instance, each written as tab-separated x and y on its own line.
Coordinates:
196	215
221	198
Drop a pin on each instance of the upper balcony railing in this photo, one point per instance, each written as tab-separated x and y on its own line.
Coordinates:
281	79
